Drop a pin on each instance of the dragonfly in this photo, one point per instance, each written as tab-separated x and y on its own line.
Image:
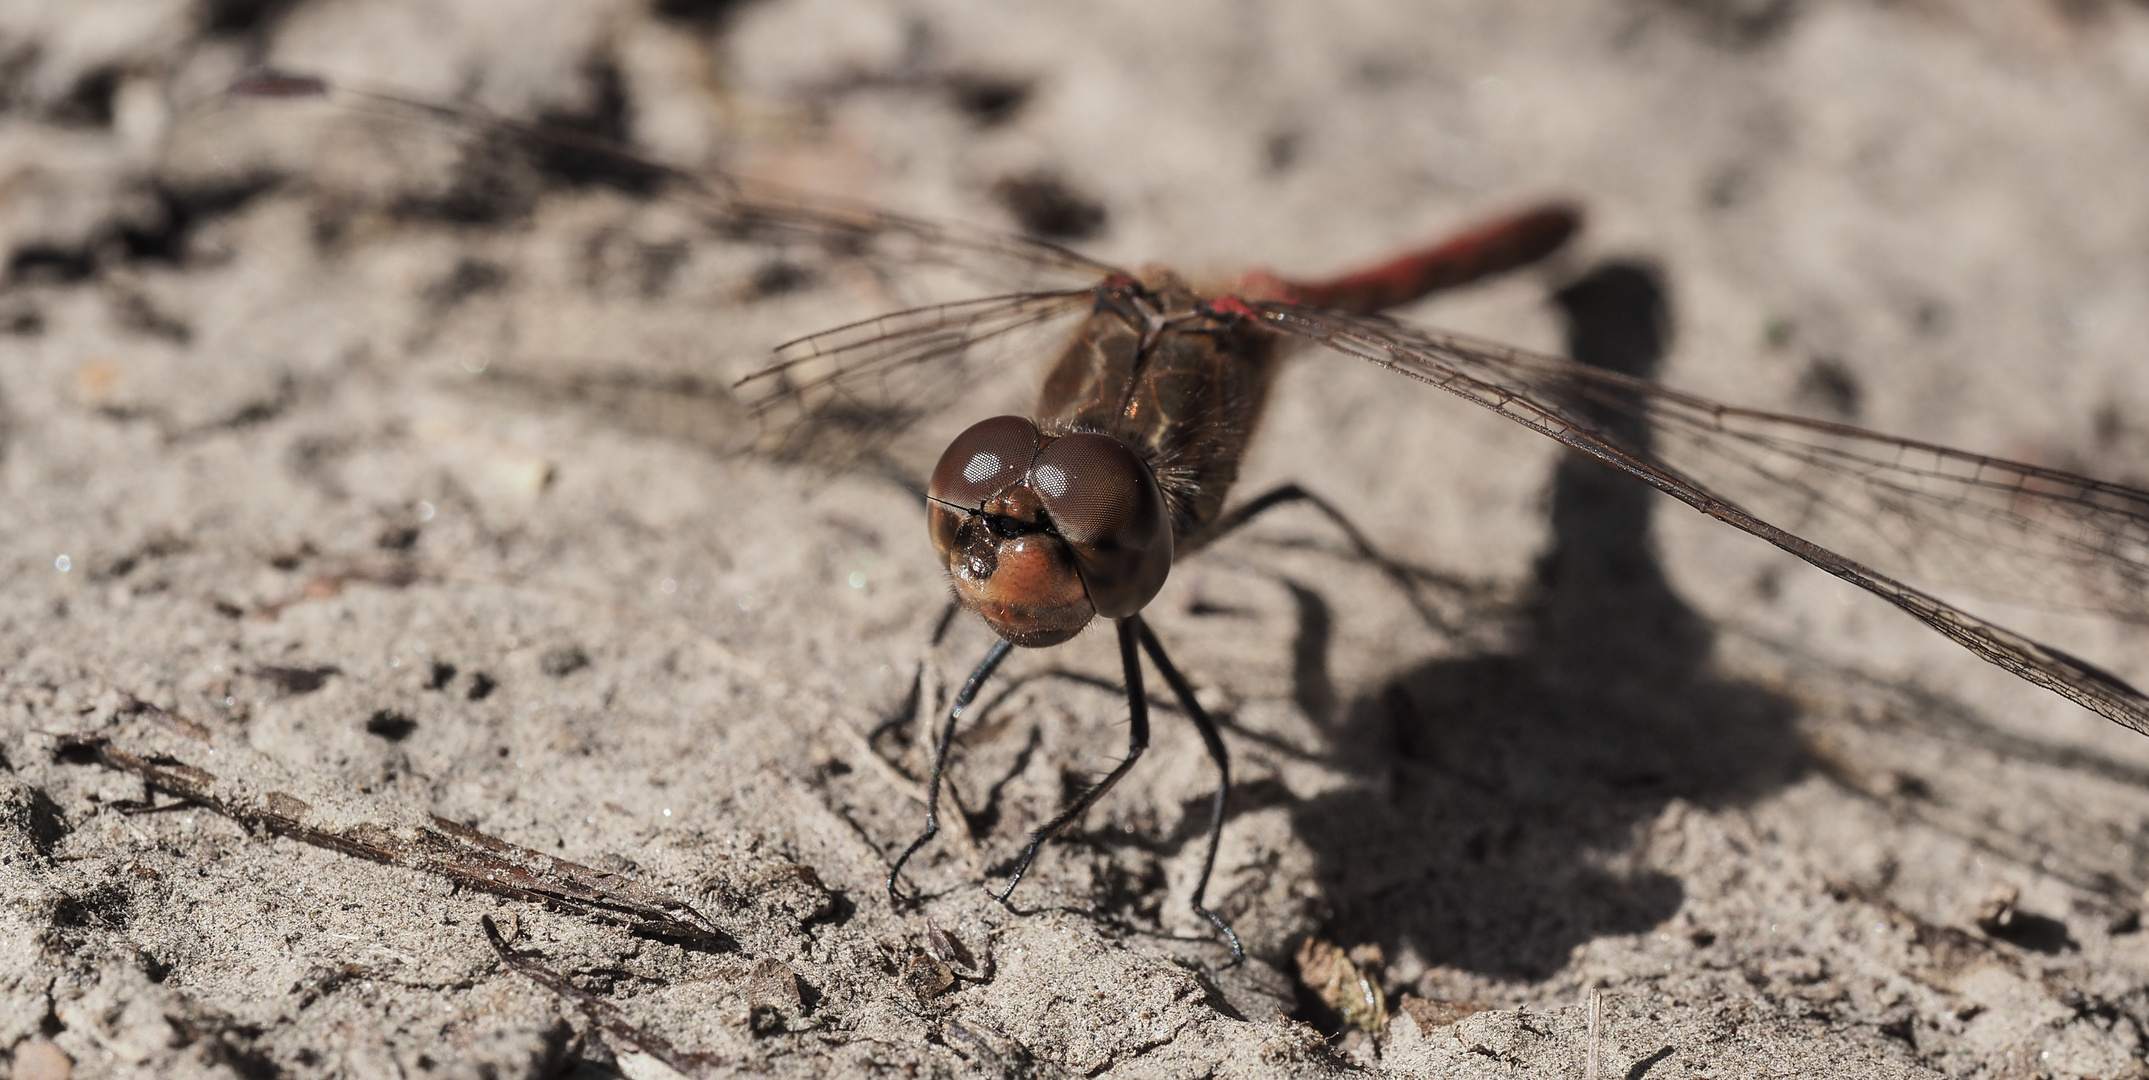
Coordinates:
1079	511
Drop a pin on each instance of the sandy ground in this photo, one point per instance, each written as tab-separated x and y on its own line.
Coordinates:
408	534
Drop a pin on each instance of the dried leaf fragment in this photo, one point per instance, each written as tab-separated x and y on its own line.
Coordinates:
926	976
1349	986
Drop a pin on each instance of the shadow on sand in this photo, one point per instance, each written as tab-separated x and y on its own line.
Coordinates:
1501	789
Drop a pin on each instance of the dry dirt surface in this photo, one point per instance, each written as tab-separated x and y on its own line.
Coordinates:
391	569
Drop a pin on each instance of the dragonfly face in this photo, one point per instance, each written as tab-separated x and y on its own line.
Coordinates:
1041	533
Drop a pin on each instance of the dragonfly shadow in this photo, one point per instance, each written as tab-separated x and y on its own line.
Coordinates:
1503	790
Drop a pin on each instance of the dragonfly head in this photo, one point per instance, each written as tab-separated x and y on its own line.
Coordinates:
1042	533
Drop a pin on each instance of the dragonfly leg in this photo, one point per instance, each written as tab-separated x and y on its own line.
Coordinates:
1402	576
1214	740
978	675
1137	741
1232	520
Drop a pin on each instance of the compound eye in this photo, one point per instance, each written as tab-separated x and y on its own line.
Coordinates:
983	461
1103	500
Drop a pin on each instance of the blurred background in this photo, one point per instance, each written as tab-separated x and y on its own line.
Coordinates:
282	386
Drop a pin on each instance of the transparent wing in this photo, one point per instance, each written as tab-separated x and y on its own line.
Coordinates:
830	397
733	208
833	393
1872	509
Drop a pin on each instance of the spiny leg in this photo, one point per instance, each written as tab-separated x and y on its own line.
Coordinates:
1137	741
978	675
1289	493
1214	740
